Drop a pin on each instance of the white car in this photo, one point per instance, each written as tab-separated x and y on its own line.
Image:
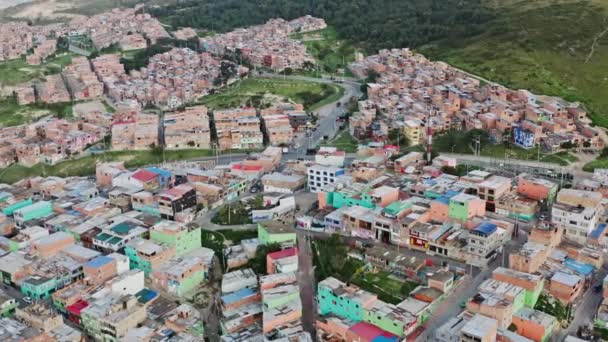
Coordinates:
28	300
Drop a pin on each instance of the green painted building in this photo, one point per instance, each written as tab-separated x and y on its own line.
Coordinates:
144	254
184	238
8	305
462	205
38	287
280	295
378	315
276	232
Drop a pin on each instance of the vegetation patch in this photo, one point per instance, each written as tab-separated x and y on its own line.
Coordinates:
12	114
85	166
254	92
344	141
544	46
17	71
553	307
238	212
462	142
331	259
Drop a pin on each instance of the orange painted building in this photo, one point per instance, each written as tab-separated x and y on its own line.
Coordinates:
52	244
533	324
100	269
536	188
566	287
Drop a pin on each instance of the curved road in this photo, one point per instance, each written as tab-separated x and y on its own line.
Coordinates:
328	114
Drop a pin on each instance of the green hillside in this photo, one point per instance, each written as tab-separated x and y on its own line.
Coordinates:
550	47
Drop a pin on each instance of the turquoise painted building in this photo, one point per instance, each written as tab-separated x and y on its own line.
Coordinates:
10	210
339	199
345	304
33	212
38	287
396	208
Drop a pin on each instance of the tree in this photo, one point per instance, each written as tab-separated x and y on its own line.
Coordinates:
308	65
396	137
228	70
568	145
258	263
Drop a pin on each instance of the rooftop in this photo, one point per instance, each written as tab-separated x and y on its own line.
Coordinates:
480	326
566	279
536	316
99	261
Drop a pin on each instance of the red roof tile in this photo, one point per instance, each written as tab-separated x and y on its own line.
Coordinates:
144	175
283	254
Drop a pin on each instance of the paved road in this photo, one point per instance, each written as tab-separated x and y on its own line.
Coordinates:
327	125
450	307
306	281
586	309
520	166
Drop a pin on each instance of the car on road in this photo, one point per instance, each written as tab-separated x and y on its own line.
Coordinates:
338	104
597	288
311	151
326	137
28	300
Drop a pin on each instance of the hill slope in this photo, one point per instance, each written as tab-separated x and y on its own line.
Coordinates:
550	47
373	24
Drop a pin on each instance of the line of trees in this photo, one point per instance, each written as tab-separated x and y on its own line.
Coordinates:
372	24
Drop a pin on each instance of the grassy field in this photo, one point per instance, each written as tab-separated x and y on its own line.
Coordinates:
460	142
387	287
548	47
261	92
514	152
86	165
17	71
599	163
330	52
344	141
12	114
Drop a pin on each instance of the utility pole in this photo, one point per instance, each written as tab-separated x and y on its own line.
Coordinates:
429	134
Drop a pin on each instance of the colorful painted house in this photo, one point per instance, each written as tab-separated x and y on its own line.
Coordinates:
183	238
147	255
276	232
337	298
38	287
10	210
463	207
181	275
32	212
8	305
532	284
75	310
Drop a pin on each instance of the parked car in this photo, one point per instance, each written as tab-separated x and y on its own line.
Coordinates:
28	300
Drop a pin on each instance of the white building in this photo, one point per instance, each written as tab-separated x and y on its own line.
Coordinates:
319	176
577	220
483	242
